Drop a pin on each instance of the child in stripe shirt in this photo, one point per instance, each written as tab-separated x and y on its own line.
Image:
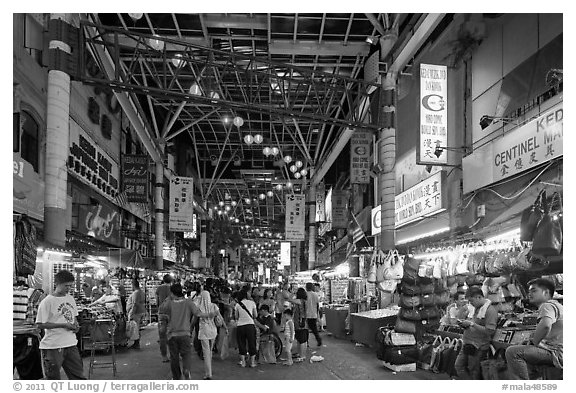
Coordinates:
288	336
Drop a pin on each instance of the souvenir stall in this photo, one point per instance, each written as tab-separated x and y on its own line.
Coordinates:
502	265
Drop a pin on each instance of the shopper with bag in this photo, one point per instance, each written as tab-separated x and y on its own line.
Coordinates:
245	312
545	347
477	335
301	332
207	330
136	310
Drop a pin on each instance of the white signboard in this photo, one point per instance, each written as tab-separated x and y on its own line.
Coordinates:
285	253
424	199
433	114
376	220
360	144
528	146
194	233
181	204
295	213
320	202
339	209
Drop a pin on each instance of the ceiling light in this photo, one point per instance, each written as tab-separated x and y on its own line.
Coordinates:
156	43
279	187
270	194
258	138
236	220
297	175
225	120
195	89
214	95
220	212
228	208
248	139
233	203
221	203
304	172
287	159
293	168
299	164
238	121
177	60
248	201
136	16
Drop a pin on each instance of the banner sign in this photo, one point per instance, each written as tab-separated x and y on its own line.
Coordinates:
534	143
360	145
377	220
285	253
92	165
295	225
194	233
181	204
100	221
135	177
424	199
320	203
433	114
27	189
340	209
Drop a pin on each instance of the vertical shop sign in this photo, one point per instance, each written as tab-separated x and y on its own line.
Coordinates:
285	253
377	220
295	229
320	202
181	204
135	177
340	209
433	114
360	145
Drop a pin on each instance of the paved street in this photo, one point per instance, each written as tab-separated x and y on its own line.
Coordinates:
343	360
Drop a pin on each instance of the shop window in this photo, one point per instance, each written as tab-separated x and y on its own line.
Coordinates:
30	140
34	35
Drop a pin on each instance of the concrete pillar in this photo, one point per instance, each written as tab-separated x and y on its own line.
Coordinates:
159	229
311	225
57	141
387	160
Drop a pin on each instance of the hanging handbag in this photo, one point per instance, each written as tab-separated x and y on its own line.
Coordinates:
408	301
387	285
410	290
521	262
425	352
429	312
428	300
436	352
462	265
437	268
427	288
396	270
442	299
404	326
382	265
410	314
440	285
548	236
411	267
531	217
372	273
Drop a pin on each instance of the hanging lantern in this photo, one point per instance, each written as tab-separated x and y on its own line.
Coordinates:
304	172
236	220
293	168
221	203
258	138
248	201
297	175
287	159
156	43
195	89
233	203
279	187
289	185
214	95
270	194
267	151
177	60
248	139
238	121
299	164
220	212
262	196
228	208
136	16
275	151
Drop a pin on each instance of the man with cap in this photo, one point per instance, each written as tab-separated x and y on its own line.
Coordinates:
179	311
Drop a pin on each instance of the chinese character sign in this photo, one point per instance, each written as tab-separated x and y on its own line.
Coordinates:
377	220
340	209
433	114
295	214
360	145
285	253
424	199
135	177
320	202
181	204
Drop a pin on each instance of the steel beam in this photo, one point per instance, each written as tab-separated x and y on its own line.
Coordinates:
324	48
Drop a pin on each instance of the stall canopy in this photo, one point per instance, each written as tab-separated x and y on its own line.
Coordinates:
150	263
121	258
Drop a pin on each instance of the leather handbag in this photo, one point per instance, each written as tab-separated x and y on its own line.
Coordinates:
531	217
429	312
409	301
440	285
410	314
442	299
411	266
382	266
427	288
410	290
405	326
401	355
428	300
548	236
395	339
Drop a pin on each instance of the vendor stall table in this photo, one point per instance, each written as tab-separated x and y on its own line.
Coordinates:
364	325
336	321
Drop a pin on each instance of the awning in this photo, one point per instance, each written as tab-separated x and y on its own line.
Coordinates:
150	263
428	227
120	258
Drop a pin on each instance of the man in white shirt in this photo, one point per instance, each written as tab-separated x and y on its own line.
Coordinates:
312	310
57	315
110	300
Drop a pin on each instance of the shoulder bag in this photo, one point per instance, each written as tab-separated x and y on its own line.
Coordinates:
407	301
404	326
410	314
531	216
548	236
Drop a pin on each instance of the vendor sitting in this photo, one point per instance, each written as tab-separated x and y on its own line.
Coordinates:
110	300
460	309
546	345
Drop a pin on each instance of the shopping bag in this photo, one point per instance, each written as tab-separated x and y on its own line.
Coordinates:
132	330
232	339
267	351
224	344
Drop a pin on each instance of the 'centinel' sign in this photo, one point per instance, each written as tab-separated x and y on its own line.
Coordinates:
424	199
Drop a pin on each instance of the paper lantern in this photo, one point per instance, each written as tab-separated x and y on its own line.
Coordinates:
299	164
297	175
275	151
248	139
293	168
267	151
270	194
304	172
156	43
287	159
258	138
238	121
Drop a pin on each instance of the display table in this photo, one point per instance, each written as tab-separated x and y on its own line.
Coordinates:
336	321
365	324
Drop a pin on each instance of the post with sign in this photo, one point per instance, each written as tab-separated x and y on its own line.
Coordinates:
433	115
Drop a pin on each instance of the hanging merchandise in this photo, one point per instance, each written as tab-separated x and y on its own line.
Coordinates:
25	247
387	285
531	216
548	235
404	326
408	301
372	273
394	269
410	314
411	268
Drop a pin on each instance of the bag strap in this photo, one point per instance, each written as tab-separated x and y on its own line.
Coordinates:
541	199
245	309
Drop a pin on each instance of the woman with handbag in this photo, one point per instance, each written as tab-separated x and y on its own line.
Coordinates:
301	332
207	330
245	311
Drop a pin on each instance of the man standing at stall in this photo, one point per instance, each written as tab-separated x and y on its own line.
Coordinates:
136	308
57	316
312	311
162	293
546	345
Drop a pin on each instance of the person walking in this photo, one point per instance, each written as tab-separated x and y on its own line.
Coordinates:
207	331
288	336
312	311
477	335
57	315
136	309
162	293
179	312
245	311
301	333
282	301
